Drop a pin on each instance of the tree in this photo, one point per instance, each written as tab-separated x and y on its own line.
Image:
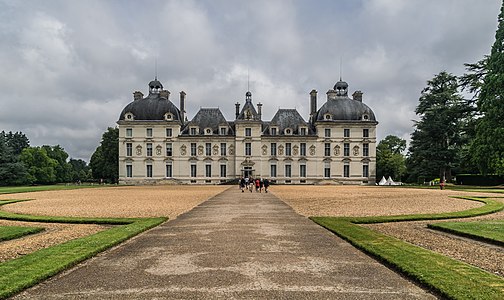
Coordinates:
105	160
12	171
439	134
17	141
41	168
488	146
63	168
79	170
389	158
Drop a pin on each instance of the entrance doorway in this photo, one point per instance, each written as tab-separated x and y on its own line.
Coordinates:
248	172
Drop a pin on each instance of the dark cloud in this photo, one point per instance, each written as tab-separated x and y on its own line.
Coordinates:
69	67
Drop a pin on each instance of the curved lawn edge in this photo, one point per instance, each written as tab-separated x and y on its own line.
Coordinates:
26	271
449	277
472	234
8	233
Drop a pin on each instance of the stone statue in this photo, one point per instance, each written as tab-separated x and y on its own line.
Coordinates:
139	150
183	149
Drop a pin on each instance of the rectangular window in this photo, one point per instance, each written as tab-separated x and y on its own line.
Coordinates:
248	131
273	149
288	171
223	131
208	170
327	132
365	132
129	132
169	149
273	170
193	170
149	149
302	170
169	132
327	149
193	149
365	149
346	132
288	149
149	132
302	149
273	131
327	171
169	171
193	131
223	170
302	131
346	149
129	149
346	170
248	149
208	149
365	170
149	171
223	149
129	171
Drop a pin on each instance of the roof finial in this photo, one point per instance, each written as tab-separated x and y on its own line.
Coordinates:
155	68
340	66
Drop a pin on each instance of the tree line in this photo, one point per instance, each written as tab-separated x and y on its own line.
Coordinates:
453	134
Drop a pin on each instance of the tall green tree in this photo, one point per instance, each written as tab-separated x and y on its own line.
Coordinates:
63	169
105	160
41	168
488	146
79	170
438	136
12	171
17	141
389	158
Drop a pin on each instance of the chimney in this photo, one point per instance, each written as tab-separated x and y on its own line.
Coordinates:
182	106
313	102
237	109
137	95
164	94
357	96
259	110
331	94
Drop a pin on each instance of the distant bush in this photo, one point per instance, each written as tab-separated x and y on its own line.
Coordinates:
478	179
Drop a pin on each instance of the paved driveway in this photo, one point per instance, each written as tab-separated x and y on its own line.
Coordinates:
233	246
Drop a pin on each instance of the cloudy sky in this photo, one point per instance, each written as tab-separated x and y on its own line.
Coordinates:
67	68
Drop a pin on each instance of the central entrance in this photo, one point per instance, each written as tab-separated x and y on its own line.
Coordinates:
248	172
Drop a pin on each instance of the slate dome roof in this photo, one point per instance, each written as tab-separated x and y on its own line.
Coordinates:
345	109
151	108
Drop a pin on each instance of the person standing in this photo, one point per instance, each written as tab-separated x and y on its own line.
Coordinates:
266	185
242	184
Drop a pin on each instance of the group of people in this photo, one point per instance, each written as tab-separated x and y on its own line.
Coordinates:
249	183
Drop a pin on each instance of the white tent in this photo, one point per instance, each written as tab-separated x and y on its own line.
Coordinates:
390	181
382	181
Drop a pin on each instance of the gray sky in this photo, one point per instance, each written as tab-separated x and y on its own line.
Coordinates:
67	68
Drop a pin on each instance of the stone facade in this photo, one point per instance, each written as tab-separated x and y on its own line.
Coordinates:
157	144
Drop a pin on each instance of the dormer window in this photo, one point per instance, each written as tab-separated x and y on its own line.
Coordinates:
129	116
273	131
168	117
327	117
208	131
223	131
192	131
365	117
288	131
302	131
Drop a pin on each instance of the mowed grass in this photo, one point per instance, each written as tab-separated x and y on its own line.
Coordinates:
26	271
40	188
14	232
449	277
489	231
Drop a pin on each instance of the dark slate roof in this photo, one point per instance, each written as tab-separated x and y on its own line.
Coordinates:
343	108
287	118
208	118
248	108
151	108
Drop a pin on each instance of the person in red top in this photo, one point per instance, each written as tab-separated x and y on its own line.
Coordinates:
257	185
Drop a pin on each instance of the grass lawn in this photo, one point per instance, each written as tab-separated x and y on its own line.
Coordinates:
14	232
449	277
489	231
39	188
26	271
